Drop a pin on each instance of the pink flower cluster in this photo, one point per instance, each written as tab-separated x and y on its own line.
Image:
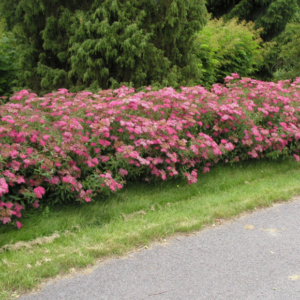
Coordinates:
87	143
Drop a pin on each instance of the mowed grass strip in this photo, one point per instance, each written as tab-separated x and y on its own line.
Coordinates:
55	241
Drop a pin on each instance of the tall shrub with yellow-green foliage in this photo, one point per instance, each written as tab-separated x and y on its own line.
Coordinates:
228	47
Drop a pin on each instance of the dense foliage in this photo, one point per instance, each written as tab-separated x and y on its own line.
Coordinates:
7	61
102	43
288	59
66	147
228	47
271	15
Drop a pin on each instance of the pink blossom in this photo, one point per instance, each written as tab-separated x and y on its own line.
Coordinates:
6	220
14	153
95	161
104	142
229	146
297	158
17	214
20	179
123	172
33	138
23	92
3	187
8	119
205	170
69	179
42	143
15	165
35	204
8	205
104	158
90	164
19	225
18	206
39	192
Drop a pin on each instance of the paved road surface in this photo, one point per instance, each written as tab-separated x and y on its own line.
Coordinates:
255	257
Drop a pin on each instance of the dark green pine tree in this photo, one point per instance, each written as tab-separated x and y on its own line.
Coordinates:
7	61
271	15
103	43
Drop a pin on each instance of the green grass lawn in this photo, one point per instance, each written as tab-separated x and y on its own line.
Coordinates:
55	240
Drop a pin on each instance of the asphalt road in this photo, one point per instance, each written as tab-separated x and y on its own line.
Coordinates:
255	257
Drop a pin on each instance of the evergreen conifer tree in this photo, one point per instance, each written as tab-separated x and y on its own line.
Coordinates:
103	43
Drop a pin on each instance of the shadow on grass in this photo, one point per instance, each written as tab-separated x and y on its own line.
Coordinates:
139	196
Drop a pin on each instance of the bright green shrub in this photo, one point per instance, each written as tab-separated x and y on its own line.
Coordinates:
228	47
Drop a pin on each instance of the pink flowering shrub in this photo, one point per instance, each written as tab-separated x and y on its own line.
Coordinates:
64	146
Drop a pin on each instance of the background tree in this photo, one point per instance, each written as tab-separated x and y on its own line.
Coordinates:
103	43
271	15
288	62
7	60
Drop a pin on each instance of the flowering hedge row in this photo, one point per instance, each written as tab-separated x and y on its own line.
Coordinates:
64	146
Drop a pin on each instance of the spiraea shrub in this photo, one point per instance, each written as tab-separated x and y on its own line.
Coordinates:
71	147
